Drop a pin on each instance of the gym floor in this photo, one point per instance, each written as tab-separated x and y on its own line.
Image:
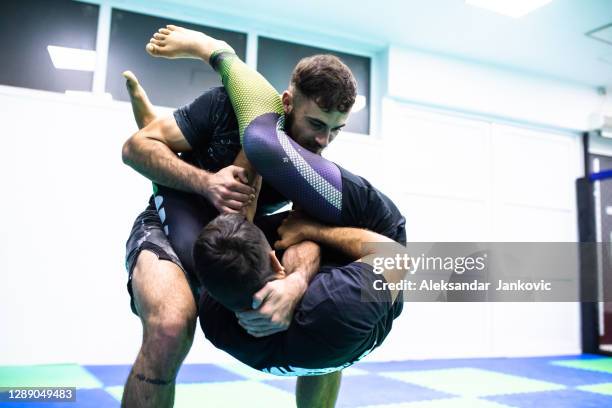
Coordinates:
568	381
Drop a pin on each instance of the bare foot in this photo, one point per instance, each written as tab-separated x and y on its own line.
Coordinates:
179	42
141	105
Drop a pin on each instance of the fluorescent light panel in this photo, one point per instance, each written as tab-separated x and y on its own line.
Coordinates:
512	8
72	58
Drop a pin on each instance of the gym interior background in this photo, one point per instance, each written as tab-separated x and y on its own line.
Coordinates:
473	121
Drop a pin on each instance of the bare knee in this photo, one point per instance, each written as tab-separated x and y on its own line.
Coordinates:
167	310
171	331
166	342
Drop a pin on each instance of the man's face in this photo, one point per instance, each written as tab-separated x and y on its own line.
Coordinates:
309	125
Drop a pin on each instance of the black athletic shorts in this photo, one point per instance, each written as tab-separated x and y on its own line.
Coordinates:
169	227
148	234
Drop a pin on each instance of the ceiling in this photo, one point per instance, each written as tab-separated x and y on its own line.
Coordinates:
550	41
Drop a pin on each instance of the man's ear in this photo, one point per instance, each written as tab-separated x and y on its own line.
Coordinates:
276	265
287	99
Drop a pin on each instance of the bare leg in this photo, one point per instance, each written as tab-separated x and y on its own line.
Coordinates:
167	309
178	42
319	391
141	105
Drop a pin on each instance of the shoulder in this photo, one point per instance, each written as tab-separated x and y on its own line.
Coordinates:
196	112
353	179
361	197
216	96
221	109
220	93
334	310
371	208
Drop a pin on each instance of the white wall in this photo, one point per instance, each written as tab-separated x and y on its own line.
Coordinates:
67	207
69	203
458	179
496	92
474	153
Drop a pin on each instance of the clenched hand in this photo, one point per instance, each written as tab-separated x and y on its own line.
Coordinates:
228	189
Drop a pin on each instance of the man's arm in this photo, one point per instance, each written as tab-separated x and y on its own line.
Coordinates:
152	152
301	262
350	241
254	180
354	242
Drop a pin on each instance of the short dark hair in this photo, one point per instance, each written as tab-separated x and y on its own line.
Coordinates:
326	80
232	262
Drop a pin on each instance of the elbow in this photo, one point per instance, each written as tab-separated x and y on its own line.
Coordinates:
127	151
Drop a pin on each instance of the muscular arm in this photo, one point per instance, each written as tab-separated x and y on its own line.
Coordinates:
301	262
354	242
350	241
254	180
152	152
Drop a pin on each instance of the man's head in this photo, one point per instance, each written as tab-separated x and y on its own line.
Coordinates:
233	260
321	94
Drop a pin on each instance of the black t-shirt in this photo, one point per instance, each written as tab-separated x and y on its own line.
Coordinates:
333	326
363	206
340	319
210	126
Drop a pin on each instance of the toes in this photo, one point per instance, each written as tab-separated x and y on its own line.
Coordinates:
152	49
156	42
164	31
130	77
172	27
159	36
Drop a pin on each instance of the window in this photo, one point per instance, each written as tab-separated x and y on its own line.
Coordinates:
29	27
168	82
276	60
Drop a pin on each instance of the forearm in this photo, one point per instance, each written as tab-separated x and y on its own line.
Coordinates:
154	160
353	242
255	181
302	261
360	243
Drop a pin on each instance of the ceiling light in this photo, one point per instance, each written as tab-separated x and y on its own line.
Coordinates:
512	8
72	58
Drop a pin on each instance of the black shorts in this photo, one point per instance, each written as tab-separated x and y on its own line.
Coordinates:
148	234
169	227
